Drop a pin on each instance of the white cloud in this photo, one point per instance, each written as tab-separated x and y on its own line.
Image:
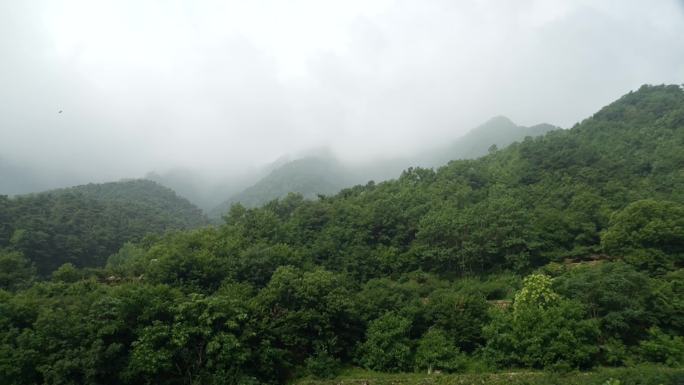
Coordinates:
215	84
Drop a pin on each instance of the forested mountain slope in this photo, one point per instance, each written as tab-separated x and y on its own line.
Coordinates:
308	176
324	175
561	252
541	200
206	191
498	131
164	201
85	224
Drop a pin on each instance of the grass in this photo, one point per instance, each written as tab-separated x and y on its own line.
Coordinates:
639	375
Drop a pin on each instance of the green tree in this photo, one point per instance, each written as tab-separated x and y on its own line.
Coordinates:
387	346
541	331
436	351
460	316
646	229
535	293
663	348
615	294
304	313
15	271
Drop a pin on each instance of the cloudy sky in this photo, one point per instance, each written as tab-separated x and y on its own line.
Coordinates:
226	85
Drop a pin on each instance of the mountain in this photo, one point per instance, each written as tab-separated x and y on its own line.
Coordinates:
611	185
498	131
203	190
165	202
308	176
560	252
325	175
85	224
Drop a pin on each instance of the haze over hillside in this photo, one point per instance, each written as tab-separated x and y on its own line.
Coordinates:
326	175
317	171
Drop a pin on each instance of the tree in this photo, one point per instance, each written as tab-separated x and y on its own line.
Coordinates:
541	331
303	314
15	271
387	346
615	294
436	351
663	348
67	273
202	344
460	316
646	229
535	293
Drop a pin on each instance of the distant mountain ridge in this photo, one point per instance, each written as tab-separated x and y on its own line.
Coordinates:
308	176
499	131
324	174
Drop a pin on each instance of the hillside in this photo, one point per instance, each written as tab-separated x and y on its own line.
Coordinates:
162	200
205	191
85	224
309	176
533	202
324	175
498	131
562	253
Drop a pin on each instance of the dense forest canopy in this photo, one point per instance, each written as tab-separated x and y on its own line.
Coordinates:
83	225
559	252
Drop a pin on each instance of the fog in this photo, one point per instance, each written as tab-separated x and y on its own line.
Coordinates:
227	87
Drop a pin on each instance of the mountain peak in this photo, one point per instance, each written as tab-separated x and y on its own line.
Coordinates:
499	120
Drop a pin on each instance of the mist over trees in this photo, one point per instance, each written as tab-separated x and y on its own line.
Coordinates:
323	174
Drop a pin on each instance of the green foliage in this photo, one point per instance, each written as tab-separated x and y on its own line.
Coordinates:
663	348
535	293
16	272
202	344
187	259
305	313
67	273
396	276
647	228
615	294
460	316
436	351
542	331
667	302
387	346
639	375
322	365
84	225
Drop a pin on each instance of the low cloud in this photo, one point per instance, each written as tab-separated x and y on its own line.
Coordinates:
227	86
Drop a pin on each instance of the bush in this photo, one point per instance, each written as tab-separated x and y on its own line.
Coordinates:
542	331
663	348
388	347
322	365
436	351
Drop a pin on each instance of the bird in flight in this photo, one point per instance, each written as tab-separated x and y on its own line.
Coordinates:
60	111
